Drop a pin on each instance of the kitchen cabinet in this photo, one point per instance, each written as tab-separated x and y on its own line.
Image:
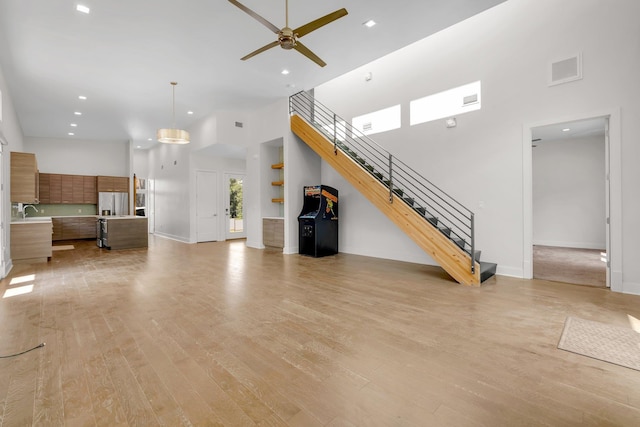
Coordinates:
44	187
24	178
57	228
119	184
55	188
67	188
126	232
273	232
74	227
90	190
31	239
64	188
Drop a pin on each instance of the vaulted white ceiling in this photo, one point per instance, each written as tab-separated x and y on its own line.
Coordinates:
123	55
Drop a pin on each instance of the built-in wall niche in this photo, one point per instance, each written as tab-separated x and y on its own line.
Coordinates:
273	176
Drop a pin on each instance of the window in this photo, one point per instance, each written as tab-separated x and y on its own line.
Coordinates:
459	100
378	121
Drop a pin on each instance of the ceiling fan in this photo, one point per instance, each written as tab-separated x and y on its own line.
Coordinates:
287	37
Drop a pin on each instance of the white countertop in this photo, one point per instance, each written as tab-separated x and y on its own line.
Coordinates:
110	217
32	220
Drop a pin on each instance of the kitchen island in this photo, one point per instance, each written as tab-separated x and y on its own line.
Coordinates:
123	232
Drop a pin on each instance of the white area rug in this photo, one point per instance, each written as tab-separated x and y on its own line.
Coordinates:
612	344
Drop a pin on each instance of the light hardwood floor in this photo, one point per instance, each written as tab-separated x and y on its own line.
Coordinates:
221	334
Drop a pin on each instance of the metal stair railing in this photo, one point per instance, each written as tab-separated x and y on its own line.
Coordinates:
437	207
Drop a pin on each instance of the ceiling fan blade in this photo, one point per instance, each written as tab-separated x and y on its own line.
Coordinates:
306	52
314	25
259	18
262	49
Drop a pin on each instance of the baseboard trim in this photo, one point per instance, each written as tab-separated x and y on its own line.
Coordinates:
631	288
172	237
574	245
509	271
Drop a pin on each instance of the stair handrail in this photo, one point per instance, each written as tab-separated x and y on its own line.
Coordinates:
401	178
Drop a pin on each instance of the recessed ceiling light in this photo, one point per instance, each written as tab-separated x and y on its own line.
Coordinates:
82	8
285	72
77	113
566	130
189	112
370	23
71	133
149	139
82	97
74	125
138	146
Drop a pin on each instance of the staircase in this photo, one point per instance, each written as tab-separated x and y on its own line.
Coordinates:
435	221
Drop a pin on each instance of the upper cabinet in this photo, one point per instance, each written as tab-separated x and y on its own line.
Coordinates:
113	184
60	188
24	178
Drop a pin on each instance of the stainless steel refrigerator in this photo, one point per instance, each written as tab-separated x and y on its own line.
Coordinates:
112	203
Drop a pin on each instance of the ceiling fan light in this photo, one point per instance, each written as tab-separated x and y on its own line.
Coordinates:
173	136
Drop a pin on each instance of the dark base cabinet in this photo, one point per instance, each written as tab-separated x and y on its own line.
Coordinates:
74	227
125	233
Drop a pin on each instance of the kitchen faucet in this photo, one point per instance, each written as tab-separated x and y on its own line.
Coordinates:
24	210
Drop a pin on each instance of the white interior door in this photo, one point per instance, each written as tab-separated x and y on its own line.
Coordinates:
206	206
234	206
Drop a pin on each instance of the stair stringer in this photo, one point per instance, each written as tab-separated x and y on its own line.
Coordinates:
445	252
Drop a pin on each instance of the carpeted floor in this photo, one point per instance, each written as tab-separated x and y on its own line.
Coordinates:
570	265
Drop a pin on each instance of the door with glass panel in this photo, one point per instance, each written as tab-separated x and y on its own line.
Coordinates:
234	206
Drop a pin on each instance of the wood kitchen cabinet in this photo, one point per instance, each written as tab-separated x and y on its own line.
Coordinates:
113	184
24	178
90	190
63	188
67	188
31	240
55	188
74	227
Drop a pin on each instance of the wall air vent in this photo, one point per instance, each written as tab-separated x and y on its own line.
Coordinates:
367	127
565	70
470	99
239	124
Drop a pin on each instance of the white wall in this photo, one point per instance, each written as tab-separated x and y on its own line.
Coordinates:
80	157
480	162
170	168
10	134
569	193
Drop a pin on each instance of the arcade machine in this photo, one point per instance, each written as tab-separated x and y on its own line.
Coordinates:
318	221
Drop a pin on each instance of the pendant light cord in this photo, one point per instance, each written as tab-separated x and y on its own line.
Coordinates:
173	84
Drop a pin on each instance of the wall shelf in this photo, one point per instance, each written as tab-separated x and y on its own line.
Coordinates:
280	182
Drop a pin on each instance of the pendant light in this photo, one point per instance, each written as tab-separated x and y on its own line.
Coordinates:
174	135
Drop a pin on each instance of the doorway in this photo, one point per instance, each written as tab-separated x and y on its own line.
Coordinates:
234	206
206	206
604	234
569	202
